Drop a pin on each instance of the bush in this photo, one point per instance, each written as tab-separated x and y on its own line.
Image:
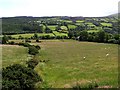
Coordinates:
27	40
37	40
12	43
38	47
111	41
32	63
24	44
33	50
4	39
18	76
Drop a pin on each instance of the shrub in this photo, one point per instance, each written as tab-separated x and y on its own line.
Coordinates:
111	41
12	43
18	76
24	44
4	39
32	63
38	47
37	40
33	50
27	40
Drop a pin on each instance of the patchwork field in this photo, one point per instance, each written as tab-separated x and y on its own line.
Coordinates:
70	62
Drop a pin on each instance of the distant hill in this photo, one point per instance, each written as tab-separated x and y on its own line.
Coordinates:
114	15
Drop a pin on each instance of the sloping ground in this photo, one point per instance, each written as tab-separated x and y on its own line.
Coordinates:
13	54
72	61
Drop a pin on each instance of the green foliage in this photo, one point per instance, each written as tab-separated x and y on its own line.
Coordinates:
101	36
32	50
32	63
37	40
4	39
83	35
27	40
38	47
35	36
24	44
11	42
17	76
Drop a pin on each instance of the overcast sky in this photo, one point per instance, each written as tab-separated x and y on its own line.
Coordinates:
86	8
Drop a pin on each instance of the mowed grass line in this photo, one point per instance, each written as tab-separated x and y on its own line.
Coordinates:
12	54
67	64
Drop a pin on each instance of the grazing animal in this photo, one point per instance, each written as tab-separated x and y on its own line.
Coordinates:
107	55
84	58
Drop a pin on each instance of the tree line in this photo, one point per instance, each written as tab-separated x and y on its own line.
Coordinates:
100	36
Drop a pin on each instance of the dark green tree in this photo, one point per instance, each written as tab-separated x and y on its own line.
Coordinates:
35	36
101	36
4	39
83	35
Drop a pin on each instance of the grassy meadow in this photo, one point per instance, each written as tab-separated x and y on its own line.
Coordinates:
70	62
12	54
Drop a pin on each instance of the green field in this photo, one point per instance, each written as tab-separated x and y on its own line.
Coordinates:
60	34
31	35
71	26
67	64
80	21
106	24
52	27
40	34
81	24
88	23
63	27
13	54
68	21
91	31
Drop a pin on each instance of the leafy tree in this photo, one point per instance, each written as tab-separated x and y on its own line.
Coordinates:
70	34
116	36
107	37
12	43
4	39
35	36
101	36
90	38
17	76
37	40
83	35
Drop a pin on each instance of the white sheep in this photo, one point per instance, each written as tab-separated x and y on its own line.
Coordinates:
107	55
84	58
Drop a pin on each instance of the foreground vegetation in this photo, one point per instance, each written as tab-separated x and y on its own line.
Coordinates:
66	63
